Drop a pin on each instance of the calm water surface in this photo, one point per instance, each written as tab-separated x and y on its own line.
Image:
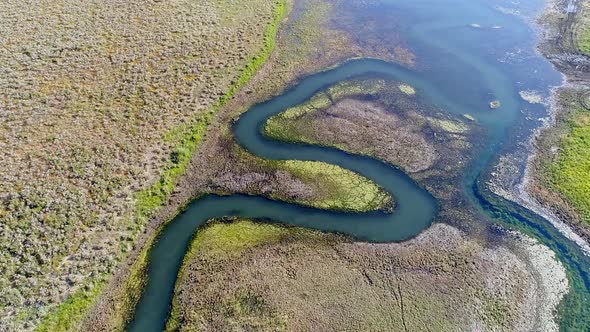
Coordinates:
469	53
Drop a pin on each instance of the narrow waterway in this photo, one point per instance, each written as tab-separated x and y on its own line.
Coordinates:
470	53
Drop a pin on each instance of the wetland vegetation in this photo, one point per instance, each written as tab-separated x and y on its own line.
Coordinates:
370	117
302	124
241	274
570	171
560	170
100	134
204	301
167	102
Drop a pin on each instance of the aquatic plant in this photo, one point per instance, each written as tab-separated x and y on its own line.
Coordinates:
495	104
407	89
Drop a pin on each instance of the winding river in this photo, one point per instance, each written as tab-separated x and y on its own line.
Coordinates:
464	83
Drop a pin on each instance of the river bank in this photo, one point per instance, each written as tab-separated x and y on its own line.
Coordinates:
530	184
567	108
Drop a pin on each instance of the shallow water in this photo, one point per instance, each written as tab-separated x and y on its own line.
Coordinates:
461	68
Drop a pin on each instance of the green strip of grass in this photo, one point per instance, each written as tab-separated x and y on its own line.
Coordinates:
67	315
151	199
570	174
584	37
71	311
583	29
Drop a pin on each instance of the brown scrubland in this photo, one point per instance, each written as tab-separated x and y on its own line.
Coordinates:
89	92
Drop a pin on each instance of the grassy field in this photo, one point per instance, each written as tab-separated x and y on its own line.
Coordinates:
246	275
253	42
570	171
584	28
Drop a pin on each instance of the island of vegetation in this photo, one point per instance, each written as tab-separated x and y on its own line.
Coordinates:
495	104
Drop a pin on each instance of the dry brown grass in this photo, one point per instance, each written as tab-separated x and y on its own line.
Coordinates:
300	280
88	93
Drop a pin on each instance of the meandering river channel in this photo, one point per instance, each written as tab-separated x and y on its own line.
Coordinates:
475	53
